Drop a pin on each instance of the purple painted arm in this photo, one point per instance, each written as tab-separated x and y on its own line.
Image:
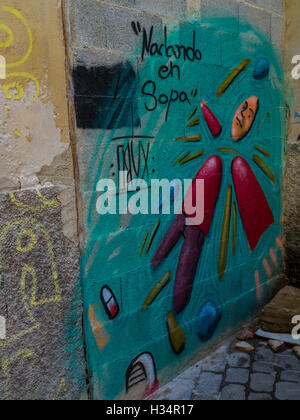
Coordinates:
211	173
170	240
187	266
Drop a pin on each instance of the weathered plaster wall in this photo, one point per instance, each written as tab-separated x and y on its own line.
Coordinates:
292	192
108	75
42	354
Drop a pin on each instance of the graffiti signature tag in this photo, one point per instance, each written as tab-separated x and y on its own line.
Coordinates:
137	166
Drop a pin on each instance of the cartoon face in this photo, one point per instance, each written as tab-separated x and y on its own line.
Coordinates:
244	118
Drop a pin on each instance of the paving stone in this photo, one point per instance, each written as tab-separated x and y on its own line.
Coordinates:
177	390
215	365
287	391
262	344
259	397
209	383
217	362
196	396
288	362
236	375
264	355
233	392
263	367
191	373
262	382
290	376
240	360
287	352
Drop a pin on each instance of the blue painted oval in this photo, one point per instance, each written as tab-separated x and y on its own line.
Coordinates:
207	320
261	69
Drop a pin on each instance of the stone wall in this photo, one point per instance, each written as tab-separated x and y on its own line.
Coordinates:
41	351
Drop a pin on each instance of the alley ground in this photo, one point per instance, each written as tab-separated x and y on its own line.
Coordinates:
228	374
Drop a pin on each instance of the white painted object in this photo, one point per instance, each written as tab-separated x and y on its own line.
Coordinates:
244	346
287	338
2	67
2	328
296	69
297	351
277	346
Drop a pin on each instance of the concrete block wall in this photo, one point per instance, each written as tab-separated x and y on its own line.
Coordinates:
107	76
79	85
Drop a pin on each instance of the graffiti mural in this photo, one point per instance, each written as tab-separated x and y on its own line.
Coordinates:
202	104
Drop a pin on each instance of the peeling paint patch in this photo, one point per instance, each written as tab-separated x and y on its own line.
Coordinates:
39	142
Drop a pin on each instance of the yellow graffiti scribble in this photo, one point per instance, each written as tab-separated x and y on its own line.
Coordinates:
23	354
46	203
33	302
29	269
13	86
97	328
62	389
10	34
24	75
35	223
29	233
19	16
5	364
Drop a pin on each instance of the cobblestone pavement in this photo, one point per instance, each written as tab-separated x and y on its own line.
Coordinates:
228	374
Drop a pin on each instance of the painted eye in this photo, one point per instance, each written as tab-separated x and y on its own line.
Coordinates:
109	302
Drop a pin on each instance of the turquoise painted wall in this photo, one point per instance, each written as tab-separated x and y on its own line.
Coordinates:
111	256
